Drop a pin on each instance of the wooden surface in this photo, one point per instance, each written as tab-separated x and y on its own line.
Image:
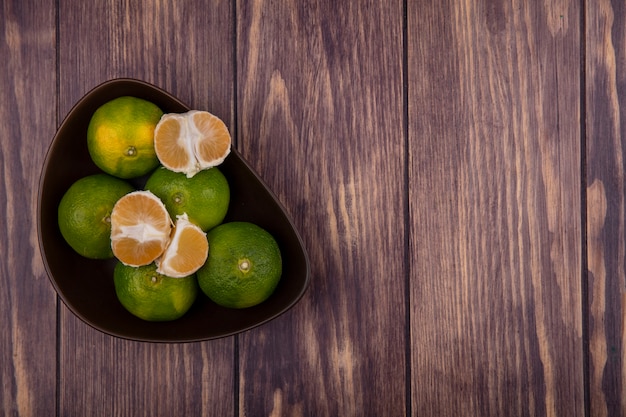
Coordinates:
455	169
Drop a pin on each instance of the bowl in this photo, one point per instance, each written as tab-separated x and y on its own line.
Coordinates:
86	286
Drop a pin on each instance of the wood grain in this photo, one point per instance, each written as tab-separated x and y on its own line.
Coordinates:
320	114
179	47
27	301
605	133
494	131
467	252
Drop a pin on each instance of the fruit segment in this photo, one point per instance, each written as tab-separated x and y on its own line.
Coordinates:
186	252
172	144
140	228
191	142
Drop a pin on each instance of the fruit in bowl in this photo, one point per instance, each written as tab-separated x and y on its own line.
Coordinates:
88	287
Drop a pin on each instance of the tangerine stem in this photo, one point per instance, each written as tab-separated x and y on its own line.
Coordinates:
244	265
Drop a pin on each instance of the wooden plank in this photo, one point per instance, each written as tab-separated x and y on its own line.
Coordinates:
27	301
605	140
320	117
183	48
494	130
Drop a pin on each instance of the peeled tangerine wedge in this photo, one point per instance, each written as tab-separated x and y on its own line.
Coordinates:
187	251
190	142
140	228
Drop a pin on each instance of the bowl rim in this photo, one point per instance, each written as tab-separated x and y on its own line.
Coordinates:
60	294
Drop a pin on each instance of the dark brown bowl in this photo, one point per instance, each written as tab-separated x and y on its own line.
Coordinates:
86	286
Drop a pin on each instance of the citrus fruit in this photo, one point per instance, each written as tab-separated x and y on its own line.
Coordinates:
120	137
243	267
192	141
84	214
152	296
140	228
204	197
186	252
